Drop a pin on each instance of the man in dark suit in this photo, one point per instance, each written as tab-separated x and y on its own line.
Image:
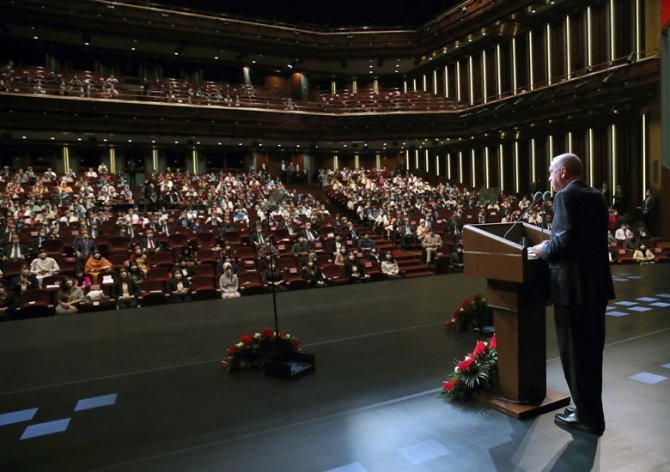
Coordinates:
83	246
150	243
649	211
581	285
15	250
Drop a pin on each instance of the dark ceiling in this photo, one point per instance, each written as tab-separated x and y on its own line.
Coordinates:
341	13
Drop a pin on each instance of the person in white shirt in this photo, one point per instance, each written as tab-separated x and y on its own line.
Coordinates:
625	236
43	266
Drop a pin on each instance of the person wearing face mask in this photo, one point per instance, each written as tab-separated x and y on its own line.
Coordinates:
642	255
96	265
179	287
229	282
69	296
390	266
125	290
353	269
140	259
24	281
311	272
135	273
43	266
457	259
38	241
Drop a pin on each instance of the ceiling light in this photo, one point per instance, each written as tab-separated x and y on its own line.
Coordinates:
130	140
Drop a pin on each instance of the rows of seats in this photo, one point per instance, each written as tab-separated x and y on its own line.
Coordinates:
41	81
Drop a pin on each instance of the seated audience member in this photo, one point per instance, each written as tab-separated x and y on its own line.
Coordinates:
353	269
390	266
264	253
311	272
334	246
309	234
407	234
24	281
43	266
84	246
96	265
135	273
372	255
300	248
186	261
642	255
272	277
125	290
82	280
150	242
641	233
9	302
365	243
350	232
341	256
69	296
229	283
258	237
38	241
179	287
625	237
14	250
457	259
141	260
431	243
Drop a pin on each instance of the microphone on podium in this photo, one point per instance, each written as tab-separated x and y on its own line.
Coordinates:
546	196
537	197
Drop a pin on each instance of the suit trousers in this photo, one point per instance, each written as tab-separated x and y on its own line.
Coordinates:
580	331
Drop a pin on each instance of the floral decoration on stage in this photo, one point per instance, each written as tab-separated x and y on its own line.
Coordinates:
253	350
477	372
472	314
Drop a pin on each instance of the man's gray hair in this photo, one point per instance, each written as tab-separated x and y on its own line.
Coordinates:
571	162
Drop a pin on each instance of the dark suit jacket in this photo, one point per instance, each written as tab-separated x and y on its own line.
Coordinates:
81	246
577	252
133	289
144	243
7	250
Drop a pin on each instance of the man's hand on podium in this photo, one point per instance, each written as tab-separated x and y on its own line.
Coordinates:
535	252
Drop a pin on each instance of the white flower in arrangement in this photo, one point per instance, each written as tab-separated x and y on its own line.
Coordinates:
456	369
257	335
239	344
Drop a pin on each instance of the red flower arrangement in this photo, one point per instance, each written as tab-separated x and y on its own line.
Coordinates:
253	350
472	314
478	371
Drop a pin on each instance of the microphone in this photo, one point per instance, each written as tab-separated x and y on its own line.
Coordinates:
536	198
546	196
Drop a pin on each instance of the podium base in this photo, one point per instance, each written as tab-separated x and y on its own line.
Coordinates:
552	401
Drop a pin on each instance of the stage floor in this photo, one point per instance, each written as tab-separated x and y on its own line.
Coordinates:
142	390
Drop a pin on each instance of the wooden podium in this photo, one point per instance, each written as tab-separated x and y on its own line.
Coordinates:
517	291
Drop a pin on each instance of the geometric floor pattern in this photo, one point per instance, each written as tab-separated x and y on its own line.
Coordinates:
54	426
639	305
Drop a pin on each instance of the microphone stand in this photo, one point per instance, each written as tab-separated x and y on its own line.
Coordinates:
536	198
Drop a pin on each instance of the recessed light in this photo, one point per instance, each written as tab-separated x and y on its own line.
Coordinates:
104	140
52	138
132	48
176	142
130	140
23	137
78	139
198	142
36	37
153	141
253	62
216	57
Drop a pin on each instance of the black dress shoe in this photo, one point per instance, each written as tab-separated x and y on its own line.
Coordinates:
571	423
